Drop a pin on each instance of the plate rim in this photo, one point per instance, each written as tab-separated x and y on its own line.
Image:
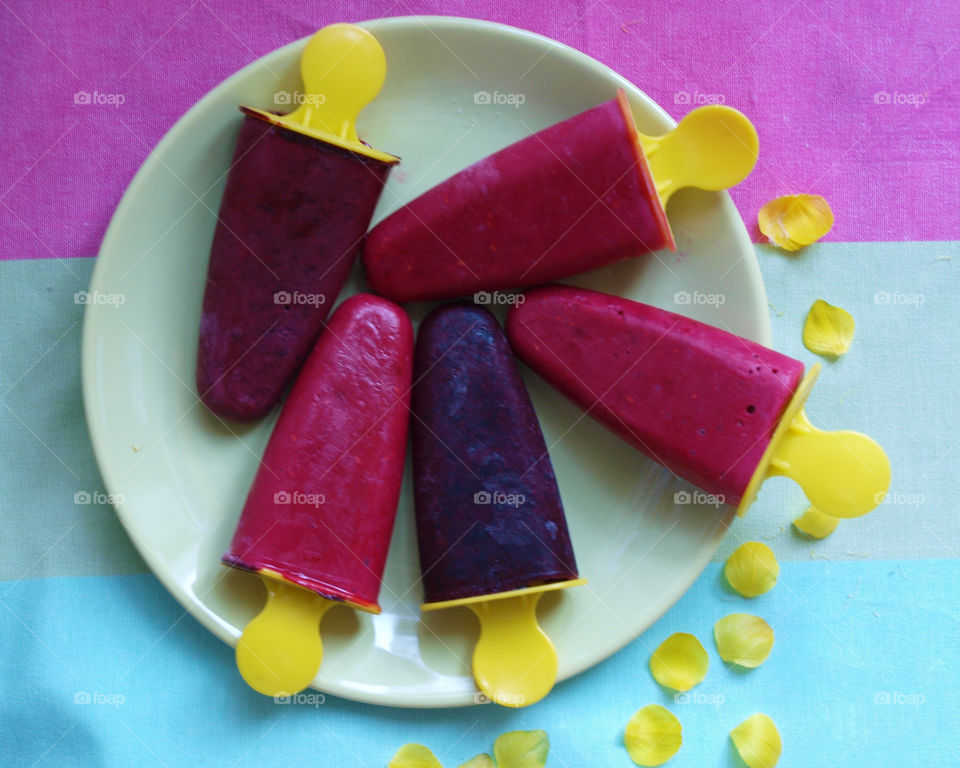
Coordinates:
92	313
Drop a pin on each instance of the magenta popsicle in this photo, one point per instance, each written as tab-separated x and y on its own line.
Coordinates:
697	399
297	203
489	515
716	409
318	519
586	192
572	197
321	508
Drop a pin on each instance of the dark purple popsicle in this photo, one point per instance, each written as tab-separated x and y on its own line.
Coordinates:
489	515
293	215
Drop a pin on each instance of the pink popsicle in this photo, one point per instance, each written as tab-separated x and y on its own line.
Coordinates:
570	198
322	505
699	400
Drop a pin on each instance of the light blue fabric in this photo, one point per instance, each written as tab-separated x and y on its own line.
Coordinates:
864	671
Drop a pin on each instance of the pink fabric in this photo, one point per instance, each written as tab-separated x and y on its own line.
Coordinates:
810	76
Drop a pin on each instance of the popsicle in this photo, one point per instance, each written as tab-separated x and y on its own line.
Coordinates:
583	193
298	199
490	523
318	518
716	409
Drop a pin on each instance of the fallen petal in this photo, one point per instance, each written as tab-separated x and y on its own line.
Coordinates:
521	749
414	756
680	662
793	221
758	741
752	569
743	639
828	330
652	736
815	523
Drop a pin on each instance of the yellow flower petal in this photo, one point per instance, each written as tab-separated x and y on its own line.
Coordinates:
521	749
828	329
480	761
680	662
414	756
743	639
752	569
794	221
815	523
758	741
652	736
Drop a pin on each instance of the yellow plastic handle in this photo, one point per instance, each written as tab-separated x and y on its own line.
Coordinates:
514	662
713	147
843	474
280	650
343	69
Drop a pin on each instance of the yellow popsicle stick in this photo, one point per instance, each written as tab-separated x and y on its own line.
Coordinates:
280	650
343	69
514	661
843	474
713	147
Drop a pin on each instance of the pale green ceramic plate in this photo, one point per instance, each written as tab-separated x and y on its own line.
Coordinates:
184	476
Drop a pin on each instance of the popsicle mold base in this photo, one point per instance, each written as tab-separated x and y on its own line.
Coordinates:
514	661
